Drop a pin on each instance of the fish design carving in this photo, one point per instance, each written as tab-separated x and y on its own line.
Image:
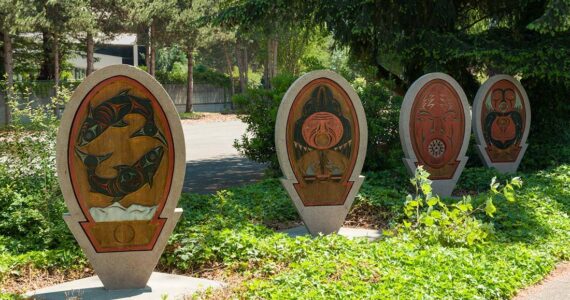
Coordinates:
112	112
129	178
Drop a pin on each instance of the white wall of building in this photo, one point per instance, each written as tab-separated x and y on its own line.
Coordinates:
101	61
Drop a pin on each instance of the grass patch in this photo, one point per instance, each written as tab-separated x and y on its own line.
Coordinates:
232	233
191	115
530	236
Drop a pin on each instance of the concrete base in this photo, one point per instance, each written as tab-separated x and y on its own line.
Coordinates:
371	234
159	285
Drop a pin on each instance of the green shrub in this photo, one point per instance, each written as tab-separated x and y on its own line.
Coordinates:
258	109
428	218
228	232
31	204
382	116
202	74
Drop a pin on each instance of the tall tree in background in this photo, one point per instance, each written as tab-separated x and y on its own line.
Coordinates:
15	17
404	40
268	20
242	55
154	16
218	43
8	17
187	30
58	20
105	19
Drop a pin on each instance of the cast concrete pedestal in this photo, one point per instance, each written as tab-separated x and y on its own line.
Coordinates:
435	126
321	138
501	105
159	285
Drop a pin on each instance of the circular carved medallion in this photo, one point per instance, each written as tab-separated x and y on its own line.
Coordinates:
322	130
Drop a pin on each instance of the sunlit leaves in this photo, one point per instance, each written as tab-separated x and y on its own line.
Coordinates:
454	224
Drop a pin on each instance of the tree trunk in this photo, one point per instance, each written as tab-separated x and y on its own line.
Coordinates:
190	88
240	63
246	66
147	51
268	72
56	62
274	45
8	68
152	51
90	50
229	67
46	69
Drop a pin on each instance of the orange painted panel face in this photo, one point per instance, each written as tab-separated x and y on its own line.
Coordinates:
121	162
503	117
322	142
437	128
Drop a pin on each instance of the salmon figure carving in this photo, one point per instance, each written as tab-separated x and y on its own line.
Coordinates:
501	122
129	178
434	129
320	137
112	113
120	149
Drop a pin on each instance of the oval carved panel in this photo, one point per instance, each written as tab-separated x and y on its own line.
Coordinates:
121	162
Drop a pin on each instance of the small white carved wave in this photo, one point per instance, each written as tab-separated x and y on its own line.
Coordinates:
117	212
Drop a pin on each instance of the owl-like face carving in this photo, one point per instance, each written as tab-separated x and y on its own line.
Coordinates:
503	100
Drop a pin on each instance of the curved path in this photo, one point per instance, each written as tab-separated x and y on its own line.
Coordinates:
212	163
554	287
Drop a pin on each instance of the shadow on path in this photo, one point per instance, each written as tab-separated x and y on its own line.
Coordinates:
209	175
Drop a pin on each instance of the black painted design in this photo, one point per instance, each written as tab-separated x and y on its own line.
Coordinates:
112	112
129	178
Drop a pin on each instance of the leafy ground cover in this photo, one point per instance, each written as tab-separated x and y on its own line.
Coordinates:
444	249
231	236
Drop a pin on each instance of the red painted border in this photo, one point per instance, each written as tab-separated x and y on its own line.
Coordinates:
485	112
356	144
75	127
454	160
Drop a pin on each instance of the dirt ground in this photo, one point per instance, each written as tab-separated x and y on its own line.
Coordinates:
205	117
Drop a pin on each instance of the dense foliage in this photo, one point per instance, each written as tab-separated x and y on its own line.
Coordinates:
500	248
231	232
29	192
392	43
178	73
258	108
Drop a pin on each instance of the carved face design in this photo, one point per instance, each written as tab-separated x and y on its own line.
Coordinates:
322	130
322	142
437	127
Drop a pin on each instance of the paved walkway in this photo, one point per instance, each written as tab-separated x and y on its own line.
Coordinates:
555	287
212	163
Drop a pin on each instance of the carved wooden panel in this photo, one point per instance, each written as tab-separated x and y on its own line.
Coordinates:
437	128
121	161
503	118
322	142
